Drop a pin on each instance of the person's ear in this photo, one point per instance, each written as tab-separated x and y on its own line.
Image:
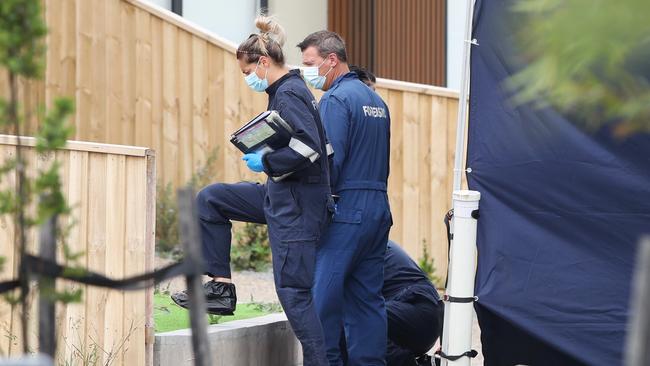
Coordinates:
265	62
333	59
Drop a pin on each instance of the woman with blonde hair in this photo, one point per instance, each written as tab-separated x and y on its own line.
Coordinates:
296	208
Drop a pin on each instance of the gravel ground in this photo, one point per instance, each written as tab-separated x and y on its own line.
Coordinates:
259	287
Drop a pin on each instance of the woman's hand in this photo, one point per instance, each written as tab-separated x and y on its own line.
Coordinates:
254	162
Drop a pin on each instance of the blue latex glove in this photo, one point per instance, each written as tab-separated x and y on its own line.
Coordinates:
254	162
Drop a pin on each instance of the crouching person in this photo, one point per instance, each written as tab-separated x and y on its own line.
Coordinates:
413	308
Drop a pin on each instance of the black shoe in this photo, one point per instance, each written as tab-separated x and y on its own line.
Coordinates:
424	360
220	298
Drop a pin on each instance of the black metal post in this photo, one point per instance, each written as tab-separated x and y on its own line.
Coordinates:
46	286
191	239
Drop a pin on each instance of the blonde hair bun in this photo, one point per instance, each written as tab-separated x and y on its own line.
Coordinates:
270	29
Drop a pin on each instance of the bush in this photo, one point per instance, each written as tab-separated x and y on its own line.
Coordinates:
167	240
426	264
166	219
252	250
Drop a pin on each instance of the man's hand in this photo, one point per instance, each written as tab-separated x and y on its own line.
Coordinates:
254	162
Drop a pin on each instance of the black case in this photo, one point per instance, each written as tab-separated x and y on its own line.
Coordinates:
266	132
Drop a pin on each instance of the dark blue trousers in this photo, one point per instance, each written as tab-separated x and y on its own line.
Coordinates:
414	324
350	276
296	214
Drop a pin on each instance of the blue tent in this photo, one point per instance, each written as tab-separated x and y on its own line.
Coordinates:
562	212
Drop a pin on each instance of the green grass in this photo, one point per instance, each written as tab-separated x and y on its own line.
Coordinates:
169	316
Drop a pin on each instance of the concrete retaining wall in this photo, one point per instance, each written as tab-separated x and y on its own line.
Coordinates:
263	341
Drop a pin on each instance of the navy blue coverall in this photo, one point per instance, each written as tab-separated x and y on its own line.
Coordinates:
296	210
413	307
350	259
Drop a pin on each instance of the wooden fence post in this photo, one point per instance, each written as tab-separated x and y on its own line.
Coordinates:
637	352
46	286
190	237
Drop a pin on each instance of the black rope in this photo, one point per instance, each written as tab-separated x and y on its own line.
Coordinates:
52	269
8	286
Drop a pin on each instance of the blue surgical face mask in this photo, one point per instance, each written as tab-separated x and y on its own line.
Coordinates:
312	76
254	81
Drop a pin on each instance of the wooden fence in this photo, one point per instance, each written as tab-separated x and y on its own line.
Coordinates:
143	76
112	192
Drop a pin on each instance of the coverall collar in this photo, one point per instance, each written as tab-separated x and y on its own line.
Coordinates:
349	75
274	87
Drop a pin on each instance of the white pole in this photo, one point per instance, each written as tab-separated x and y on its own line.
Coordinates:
462	98
457	326
457	329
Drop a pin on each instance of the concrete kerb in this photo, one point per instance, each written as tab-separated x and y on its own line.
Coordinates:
265	341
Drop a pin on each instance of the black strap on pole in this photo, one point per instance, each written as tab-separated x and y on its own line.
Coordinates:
448	216
450	236
462	300
470	354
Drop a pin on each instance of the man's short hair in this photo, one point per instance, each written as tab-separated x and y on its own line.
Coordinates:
325	42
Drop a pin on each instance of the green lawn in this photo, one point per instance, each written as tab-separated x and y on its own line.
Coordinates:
169	316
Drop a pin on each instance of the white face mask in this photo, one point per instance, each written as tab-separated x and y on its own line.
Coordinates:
312	76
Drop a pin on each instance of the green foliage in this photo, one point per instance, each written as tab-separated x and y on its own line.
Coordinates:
428	267
11	298
51	200
167	240
68	296
22	47
22	30
168	316
68	254
47	184
64	296
252	250
267	307
214	319
7	202
55	130
205	174
588	58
